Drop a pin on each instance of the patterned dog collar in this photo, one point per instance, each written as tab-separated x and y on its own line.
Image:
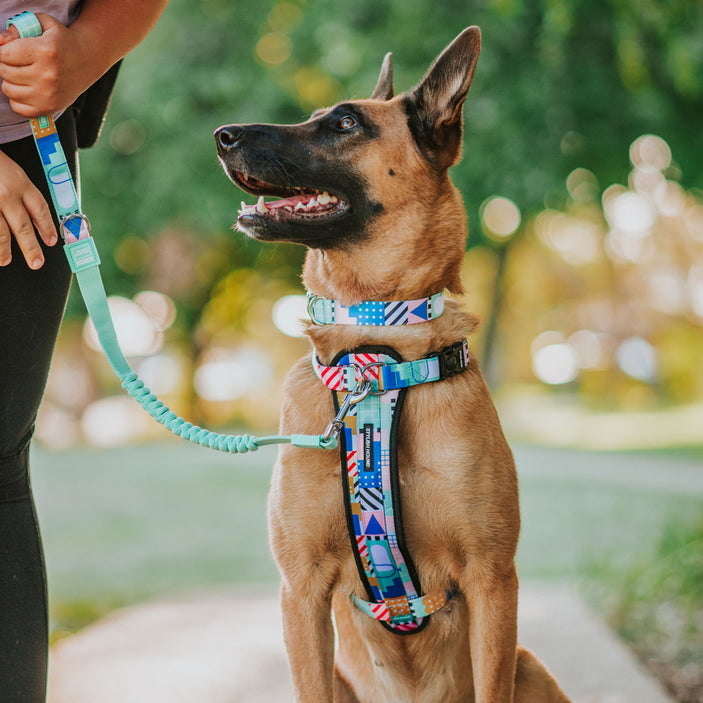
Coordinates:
377	313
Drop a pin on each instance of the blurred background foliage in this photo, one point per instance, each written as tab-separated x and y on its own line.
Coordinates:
583	181
598	286
582	177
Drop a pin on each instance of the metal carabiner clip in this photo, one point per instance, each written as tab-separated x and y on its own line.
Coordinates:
362	389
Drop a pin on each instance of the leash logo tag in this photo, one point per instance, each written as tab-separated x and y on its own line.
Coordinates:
368	447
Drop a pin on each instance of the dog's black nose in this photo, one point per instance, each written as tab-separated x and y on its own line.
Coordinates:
228	138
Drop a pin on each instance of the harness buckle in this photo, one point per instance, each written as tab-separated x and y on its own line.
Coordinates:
451	360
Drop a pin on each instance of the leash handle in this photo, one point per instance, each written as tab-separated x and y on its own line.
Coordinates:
84	261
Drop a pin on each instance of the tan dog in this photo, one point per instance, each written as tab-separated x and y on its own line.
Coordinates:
390	226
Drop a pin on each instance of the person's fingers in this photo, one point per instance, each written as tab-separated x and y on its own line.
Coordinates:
26	101
16	75
5	243
18	93
28	111
22	228
21	53
9	35
38	210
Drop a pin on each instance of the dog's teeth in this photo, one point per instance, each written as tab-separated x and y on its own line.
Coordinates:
312	203
324	199
288	208
299	205
334	199
261	205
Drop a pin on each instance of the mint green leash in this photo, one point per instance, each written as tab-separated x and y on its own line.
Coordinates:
85	263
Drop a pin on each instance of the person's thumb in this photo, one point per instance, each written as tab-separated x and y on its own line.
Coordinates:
9	34
47	21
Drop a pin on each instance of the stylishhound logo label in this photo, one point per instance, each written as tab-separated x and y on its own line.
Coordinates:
368	447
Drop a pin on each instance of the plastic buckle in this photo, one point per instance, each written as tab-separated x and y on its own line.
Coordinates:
451	360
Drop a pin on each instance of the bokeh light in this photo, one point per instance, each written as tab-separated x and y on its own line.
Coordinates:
228	374
500	217
638	359
161	373
555	364
114	421
136	332
650	151
288	314
160	309
274	48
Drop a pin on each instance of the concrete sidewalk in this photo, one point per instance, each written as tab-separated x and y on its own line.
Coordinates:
224	647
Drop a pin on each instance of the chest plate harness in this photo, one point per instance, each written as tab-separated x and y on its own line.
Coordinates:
368	388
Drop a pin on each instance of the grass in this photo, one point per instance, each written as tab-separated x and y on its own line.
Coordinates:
126	525
656	604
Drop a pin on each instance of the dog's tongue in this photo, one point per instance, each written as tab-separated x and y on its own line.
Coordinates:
296	203
290	202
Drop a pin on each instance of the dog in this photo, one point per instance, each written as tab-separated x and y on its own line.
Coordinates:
364	186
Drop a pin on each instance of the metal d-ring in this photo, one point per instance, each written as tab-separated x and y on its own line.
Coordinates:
66	232
363	371
312	299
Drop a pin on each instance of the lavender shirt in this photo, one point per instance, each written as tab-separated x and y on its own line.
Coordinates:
12	125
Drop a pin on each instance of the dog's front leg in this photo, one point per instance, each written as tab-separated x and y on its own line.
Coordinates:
493	634
309	639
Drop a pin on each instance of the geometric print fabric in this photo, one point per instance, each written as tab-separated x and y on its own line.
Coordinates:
367	466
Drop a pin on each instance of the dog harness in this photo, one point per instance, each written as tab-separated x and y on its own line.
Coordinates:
368	387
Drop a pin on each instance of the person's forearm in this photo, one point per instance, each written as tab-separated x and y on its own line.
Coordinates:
108	30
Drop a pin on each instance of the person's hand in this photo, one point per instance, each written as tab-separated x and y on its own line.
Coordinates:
22	208
43	75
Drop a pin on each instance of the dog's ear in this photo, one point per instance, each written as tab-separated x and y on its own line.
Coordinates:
435	105
384	87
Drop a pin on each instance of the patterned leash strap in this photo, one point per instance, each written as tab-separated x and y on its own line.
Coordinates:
84	262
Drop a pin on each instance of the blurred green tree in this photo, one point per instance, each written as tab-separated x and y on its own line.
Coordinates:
560	84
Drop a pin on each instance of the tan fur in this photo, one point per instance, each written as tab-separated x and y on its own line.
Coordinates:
457	476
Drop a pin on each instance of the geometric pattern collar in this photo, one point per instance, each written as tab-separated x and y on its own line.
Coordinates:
375	313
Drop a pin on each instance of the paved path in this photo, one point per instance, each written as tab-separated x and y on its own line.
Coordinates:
223	647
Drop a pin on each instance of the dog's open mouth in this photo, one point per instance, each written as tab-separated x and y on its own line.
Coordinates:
304	205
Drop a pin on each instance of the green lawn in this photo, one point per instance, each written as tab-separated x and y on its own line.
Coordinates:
128	524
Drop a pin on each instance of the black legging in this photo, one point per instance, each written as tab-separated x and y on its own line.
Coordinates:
31	307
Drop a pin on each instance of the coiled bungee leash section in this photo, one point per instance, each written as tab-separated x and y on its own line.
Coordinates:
84	262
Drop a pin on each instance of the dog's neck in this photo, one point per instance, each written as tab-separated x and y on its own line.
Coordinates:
386	267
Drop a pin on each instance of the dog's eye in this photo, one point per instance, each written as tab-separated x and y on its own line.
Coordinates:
346	123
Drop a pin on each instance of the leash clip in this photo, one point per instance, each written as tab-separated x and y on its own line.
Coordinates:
362	389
